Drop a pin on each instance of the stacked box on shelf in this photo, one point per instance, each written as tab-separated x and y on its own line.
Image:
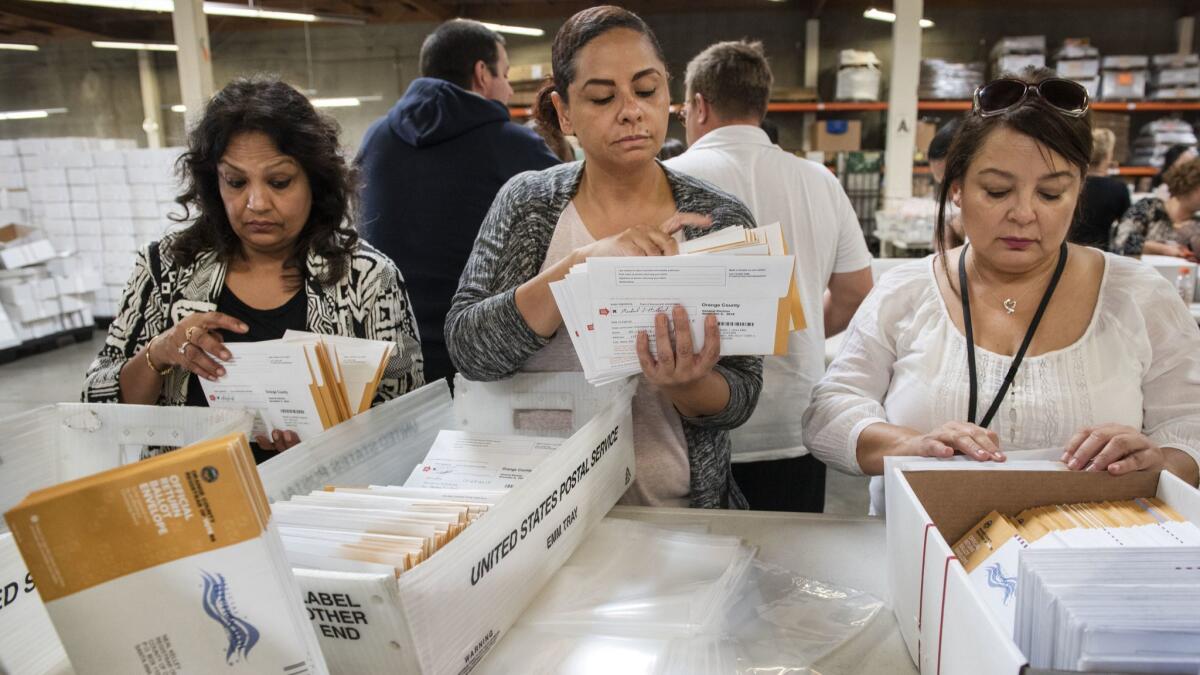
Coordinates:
1157	137
48	298
949	81
1011	55
1079	61
1124	77
1175	77
858	76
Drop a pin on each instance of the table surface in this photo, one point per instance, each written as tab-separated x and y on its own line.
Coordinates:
845	550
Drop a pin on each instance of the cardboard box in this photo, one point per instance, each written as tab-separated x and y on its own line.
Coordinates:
76	176
925	133
31	146
111	175
145	193
1123	85
145	209
8	148
945	625
166	192
89	243
52	176
837	135
21	246
119	242
1078	68
531	71
84	210
444	615
116	210
108	158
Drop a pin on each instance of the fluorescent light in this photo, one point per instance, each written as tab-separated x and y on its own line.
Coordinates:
142	46
18	47
215	9
880	15
335	102
30	114
514	30
222	9
343	102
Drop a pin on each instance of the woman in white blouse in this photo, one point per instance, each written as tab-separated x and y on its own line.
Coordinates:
1089	354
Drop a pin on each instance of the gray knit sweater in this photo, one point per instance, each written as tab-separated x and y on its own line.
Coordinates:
488	338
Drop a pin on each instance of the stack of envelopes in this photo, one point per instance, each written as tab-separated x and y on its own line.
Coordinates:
991	551
1114	610
172	560
388	528
304	383
744	277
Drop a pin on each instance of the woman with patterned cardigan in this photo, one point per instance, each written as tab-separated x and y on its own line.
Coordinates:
268	250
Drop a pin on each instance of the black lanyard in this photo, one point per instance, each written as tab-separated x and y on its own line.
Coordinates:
1033	325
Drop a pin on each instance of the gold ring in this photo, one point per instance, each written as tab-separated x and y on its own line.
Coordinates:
183	347
187	336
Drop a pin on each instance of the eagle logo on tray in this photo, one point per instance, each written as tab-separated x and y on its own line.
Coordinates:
242	634
997	579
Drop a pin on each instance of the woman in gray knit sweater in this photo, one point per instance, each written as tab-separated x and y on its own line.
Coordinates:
610	91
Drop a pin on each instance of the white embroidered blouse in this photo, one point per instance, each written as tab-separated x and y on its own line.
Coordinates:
904	362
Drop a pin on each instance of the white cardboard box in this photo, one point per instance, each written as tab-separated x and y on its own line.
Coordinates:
78	176
61	210
143	193
930	504
84	210
58	225
84	193
445	614
108	157
111	175
116	210
52	176
119	242
89	242
8	148
92	226
145	210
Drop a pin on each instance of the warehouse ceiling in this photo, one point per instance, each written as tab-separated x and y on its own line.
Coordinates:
24	20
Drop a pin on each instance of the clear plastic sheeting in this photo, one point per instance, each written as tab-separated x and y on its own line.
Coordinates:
643	599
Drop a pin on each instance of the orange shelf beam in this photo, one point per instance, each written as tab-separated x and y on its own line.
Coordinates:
1137	171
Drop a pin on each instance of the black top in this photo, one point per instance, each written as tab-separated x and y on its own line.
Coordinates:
264	324
1105	200
432	167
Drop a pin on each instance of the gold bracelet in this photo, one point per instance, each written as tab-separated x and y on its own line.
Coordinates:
161	372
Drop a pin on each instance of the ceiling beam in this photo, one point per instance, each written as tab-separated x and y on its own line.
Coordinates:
76	19
431	8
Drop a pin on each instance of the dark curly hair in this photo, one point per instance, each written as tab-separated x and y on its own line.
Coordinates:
268	105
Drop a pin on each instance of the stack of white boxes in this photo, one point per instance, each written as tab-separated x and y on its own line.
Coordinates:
1011	55
103	198
1079	61
1175	77
41	300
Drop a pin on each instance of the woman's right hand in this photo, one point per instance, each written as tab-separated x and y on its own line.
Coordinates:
192	343
968	439
645	240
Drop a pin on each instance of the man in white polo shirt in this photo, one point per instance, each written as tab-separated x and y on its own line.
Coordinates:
728	86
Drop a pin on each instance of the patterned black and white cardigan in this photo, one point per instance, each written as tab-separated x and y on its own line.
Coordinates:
488	338
370	301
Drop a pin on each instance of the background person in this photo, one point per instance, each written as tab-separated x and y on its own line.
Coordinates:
1105	199
265	251
610	91
939	148
1176	154
1111	376
1154	225
434	163
727	89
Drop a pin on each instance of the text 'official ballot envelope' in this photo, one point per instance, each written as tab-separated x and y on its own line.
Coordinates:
168	566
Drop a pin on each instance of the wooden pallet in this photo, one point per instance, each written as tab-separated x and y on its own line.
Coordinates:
47	343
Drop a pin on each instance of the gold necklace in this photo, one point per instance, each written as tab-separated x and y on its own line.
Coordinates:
1010	303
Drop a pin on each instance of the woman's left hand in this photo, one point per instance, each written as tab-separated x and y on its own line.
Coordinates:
1115	448
678	365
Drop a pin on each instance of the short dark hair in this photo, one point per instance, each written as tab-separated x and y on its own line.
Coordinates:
268	105
583	27
939	146
1070	137
451	51
733	77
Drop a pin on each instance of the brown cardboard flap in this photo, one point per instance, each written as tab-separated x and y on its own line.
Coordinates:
957	500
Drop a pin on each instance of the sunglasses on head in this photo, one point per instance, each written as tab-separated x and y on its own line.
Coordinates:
999	96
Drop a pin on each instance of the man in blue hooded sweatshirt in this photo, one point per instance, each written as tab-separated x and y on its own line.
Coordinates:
433	165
